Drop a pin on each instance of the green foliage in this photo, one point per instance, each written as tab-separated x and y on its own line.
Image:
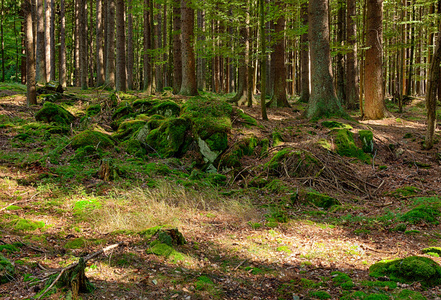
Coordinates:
321	200
422	213
389	284
93	109
335	124
408	270
87	153
435	250
77	243
354	296
127	128
405	192
277	137
377	297
283	249
165	250
52	113
91	138
203	282
84	206
244	118
7	270
10	248
27	225
409	295
320	295
345	144
343	280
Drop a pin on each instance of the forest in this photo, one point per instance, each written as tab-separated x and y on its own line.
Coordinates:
245	149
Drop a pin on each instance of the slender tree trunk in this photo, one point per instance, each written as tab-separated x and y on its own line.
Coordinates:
352	83
41	66
304	54
374	88
200	60
82	34
2	43
263	62
52	40
411	56
110	51
121	83
77	74
147	86
47	39
188	86
31	95
130	50
341	93
23	49
242	89
99	44
177	59
323	100
62	63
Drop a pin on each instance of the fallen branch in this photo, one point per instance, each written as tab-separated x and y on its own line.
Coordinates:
21	201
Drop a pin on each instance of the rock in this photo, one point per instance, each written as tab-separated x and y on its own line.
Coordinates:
52	113
91	138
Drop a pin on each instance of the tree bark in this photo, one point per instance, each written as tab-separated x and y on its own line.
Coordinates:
341	93
263	60
147	86
323	100
304	55
159	83
41	62
110	50
99	44
2	43
47	39
130	50
31	95
188	86
62	62
374	88
177	59
82	34
352	80
121	83
200	78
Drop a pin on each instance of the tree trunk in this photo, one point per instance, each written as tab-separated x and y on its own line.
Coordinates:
279	77
432	91
121	84
147	86
304	55
352	83
110	50
99	44
47	39
374	88
82	34
41	63
159	83
2	43
200	61
263	60
130	50
31	95
323	100
177	59
341	93
242	80
411	56
62	62
188	86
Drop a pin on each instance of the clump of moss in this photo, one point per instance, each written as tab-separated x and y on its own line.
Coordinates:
93	110
170	138
127	128
277	137
422	213
408	270
321	200
28	225
7	270
165	250
377	297
354	295
244	118
409	295
335	124
166	109
277	186
320	295
134	147
86	153
389	284
240	149
52	113
296	163
428	250
203	282
10	248
367	140
77	243
405	192
91	138
345	145
343	280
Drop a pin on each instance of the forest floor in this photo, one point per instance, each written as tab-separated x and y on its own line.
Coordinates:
243	242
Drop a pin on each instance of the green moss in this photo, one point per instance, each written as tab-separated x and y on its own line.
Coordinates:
127	128
88	205
28	225
77	243
321	200
405	192
295	163
354	296
10	248
93	110
422	213
124	109
409	295
335	124
7	270
52	113
400	227
87	153
367	140
408	270
244	118
283	249
170	138
389	284
320	295
203	282
13	207
134	147
91	138
377	297
345	145
277	138
436	250
245	146
218	141
277	186
166	109
309	284
343	280
167	251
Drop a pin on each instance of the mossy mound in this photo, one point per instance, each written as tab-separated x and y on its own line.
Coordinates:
165	250
45	130
367	140
77	243
409	295
52	113
436	250
28	225
170	139
408	270
242	117
343	280
295	163
122	112
335	124
320	295
93	109
405	192
10	248
277	137
345	145
127	128
91	138
86	153
244	147
165	108
321	200
7	270
422	213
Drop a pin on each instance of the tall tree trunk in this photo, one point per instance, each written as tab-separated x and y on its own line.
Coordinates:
41	62
341	93
159	83
374	88
177	59
130	50
323	100
263	65
352	83
304	55
431	95
147	86
188	86
110	50
47	39
200	60
411	56
279	76
99	44
2	43
77	75
82	34
31	95
121	84
62	62
52	40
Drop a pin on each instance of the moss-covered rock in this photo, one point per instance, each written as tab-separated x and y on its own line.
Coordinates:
335	124
408	270
7	270
422	213
87	153
93	109
166	108
127	129
321	200
170	139
367	140
345	145
409	295
277	138
242	117
244	147
295	163
91	138
52	113
122	112
343	280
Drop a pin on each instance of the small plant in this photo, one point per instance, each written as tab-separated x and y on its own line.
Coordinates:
320	295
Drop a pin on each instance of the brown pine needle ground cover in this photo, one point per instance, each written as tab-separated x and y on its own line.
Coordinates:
244	240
